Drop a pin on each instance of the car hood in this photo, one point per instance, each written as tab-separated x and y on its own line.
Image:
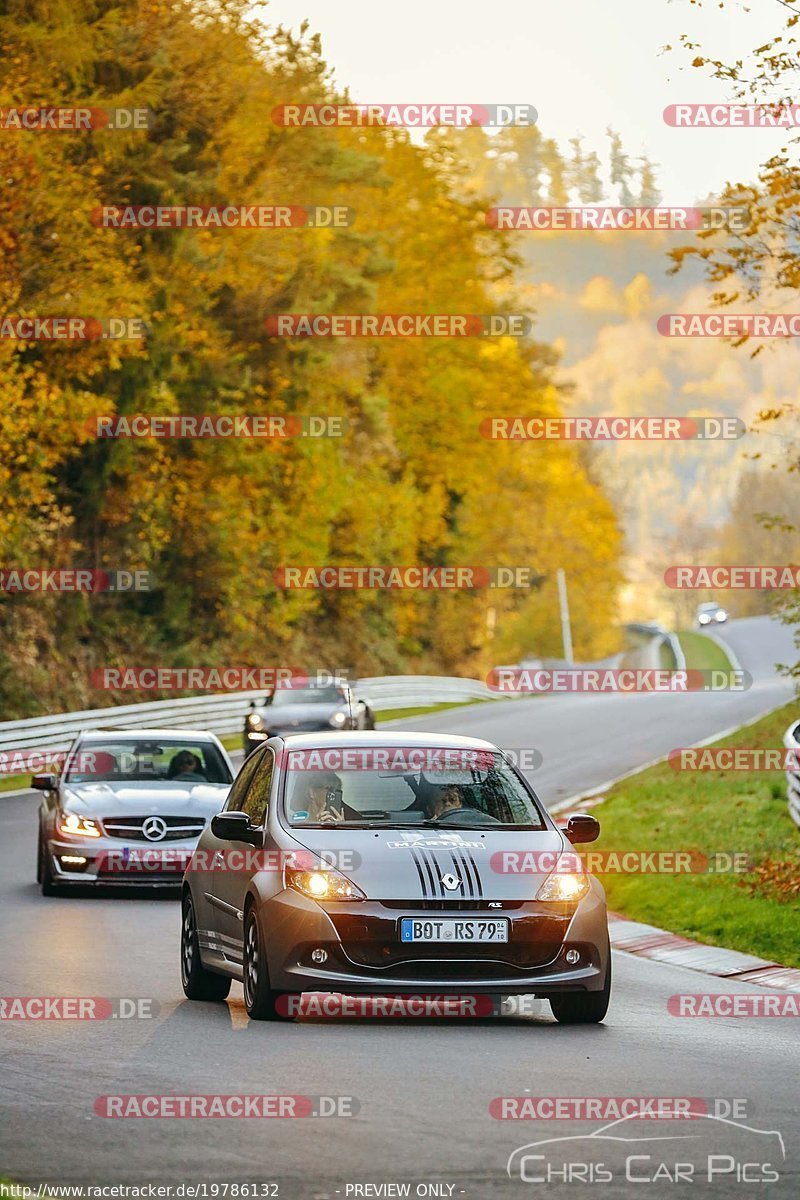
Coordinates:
284	714
168	799
404	864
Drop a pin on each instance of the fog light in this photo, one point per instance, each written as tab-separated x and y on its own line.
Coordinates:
572	957
319	956
72	859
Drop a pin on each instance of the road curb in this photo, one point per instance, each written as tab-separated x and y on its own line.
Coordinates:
648	941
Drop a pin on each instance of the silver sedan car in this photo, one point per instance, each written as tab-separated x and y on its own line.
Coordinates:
385	864
128	807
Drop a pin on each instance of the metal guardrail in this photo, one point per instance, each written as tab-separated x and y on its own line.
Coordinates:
224	714
659	634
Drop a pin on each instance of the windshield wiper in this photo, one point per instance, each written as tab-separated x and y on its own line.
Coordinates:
434	824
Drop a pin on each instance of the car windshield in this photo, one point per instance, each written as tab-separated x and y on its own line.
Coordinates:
393	786
138	760
310	695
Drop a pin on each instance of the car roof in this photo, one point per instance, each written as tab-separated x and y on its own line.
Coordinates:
110	733
324	740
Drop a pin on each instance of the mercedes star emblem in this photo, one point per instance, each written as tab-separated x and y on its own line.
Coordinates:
154	829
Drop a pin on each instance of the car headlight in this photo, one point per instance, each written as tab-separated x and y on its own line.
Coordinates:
322	885
722	615
73	825
704	619
564	886
254	721
338	719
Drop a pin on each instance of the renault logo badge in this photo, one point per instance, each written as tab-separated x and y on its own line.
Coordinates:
451	882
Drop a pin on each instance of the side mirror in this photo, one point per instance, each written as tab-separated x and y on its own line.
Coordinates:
43	783
235	827
583	828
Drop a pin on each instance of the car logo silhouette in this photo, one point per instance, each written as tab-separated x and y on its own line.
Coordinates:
451	882
154	829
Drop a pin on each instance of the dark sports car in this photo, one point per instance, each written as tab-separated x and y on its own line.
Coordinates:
319	706
386	864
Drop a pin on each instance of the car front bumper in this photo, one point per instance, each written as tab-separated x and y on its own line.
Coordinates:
114	862
365	955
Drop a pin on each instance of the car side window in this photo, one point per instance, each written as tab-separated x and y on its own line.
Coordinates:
257	798
241	783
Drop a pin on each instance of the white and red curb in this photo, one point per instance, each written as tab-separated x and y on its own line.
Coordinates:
648	941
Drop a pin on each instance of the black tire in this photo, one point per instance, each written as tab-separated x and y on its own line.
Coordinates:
198	983
44	870
260	999
583	1008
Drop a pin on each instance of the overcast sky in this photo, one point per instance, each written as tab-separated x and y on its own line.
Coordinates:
583	64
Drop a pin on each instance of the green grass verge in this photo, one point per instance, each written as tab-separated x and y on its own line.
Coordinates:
12	783
666	657
397	714
703	654
708	812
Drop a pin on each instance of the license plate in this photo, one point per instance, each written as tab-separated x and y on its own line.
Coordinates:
453	929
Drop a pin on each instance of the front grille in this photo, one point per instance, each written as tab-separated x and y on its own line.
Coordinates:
130	828
406	906
372	940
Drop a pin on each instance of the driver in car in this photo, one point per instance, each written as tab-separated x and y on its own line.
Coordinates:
449	799
186	766
322	799
446	799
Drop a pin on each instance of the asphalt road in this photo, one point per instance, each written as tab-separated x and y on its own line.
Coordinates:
424	1087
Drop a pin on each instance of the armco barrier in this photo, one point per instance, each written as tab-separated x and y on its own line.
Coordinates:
224	714
650	629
